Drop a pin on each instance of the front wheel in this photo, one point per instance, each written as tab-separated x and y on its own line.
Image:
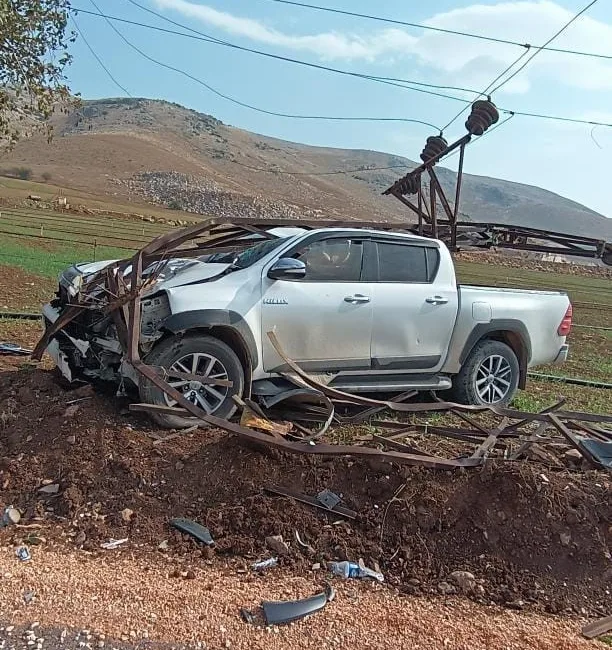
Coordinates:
200	355
489	376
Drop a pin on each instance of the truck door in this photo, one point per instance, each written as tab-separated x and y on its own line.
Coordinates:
324	320
414	311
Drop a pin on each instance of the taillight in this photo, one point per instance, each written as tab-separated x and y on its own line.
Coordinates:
565	326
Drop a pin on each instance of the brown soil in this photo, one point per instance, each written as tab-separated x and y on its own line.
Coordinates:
20	290
529	540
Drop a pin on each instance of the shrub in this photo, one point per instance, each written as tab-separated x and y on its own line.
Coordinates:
46	176
24	173
175	204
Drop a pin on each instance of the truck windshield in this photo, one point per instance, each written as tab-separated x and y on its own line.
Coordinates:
249	256
252	255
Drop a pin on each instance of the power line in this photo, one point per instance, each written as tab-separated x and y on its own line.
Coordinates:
525	64
486	90
328	69
97	58
548	42
441	30
222	42
257	108
201	36
259	169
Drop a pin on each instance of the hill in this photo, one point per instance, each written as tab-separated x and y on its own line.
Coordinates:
159	152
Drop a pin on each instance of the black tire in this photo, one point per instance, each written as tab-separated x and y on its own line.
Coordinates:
470	384
176	348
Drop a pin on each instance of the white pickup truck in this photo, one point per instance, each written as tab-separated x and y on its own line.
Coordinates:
370	310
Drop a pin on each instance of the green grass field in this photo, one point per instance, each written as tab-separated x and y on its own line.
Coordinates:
44	243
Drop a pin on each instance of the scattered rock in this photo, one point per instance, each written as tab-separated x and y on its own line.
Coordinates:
127	514
573	458
52	488
565	538
446	589
71	411
464	580
277	544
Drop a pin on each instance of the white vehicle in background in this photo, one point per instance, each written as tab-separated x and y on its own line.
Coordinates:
374	311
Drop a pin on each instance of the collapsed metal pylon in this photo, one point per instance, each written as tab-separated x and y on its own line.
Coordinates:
483	115
118	289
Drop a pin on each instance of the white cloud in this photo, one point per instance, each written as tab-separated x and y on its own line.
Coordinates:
327	45
456	59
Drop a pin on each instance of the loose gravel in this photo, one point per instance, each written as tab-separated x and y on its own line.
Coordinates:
74	600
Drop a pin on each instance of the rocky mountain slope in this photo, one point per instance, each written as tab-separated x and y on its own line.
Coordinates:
156	151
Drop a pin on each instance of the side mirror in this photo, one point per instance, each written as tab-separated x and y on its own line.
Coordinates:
287	268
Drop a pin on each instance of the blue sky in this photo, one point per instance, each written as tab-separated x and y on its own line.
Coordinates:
571	160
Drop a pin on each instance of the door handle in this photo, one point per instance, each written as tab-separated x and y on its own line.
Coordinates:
357	299
436	300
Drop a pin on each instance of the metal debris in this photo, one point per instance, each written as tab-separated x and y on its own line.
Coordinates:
14	349
311	501
118	290
329	499
113	544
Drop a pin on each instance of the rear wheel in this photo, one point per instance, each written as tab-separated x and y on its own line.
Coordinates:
489	376
200	355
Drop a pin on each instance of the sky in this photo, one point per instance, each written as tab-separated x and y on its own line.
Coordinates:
571	160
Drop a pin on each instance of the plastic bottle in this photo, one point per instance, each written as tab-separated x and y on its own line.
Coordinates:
352	570
265	564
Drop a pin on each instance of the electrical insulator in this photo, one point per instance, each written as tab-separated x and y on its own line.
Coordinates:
483	115
410	184
434	146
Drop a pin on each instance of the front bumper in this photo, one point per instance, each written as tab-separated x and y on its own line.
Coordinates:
50	315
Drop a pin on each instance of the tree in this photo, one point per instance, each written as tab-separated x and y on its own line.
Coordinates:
33	57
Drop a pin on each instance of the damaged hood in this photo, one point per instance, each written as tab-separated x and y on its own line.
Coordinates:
176	272
183	271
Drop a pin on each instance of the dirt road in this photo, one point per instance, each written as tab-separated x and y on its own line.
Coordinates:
116	601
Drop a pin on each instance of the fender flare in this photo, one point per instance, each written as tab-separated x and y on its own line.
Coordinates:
504	326
209	318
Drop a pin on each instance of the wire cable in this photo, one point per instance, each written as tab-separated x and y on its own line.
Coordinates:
97	58
335	70
417	86
252	167
486	90
257	108
219	41
440	30
548	42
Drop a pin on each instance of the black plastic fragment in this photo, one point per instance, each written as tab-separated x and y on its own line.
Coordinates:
194	529
598	451
279	613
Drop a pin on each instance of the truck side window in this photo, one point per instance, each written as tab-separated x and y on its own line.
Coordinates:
332	260
405	263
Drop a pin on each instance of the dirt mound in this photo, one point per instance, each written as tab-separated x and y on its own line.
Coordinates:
525	536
